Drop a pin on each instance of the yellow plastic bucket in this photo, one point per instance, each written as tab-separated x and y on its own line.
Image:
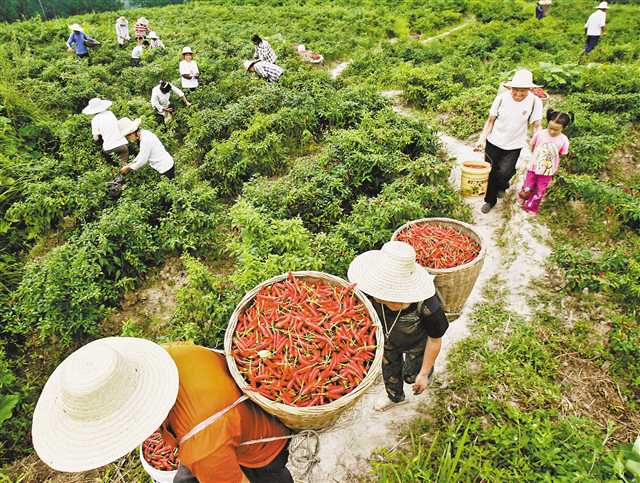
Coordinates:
474	179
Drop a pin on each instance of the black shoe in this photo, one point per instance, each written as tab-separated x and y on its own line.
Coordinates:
486	208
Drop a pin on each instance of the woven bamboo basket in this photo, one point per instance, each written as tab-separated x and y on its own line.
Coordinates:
454	285
313	417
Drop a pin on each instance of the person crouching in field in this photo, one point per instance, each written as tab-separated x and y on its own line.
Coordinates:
263	50
105	399
122	31
152	151
138	50
411	313
161	100
547	146
104	127
266	70
505	133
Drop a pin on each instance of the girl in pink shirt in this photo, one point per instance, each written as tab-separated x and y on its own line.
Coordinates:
547	146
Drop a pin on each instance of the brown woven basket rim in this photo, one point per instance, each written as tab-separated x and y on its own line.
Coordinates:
479	240
310	411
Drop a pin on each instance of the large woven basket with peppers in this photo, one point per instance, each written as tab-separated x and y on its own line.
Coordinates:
450	250
304	346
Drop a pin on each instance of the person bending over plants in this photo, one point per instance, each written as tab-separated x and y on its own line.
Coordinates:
547	146
266	70
263	50
111	395
411	313
137	51
104	128
152	151
505	133
161	100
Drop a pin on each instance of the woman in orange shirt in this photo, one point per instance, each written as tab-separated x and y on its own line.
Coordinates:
106	398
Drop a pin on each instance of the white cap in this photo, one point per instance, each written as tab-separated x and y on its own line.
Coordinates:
187	50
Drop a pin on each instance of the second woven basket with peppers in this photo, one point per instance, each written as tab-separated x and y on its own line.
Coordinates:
304	346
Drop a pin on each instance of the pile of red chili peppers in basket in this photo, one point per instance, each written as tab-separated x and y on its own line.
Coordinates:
158	454
439	246
304	342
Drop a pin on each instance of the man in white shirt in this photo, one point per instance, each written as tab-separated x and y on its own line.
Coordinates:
136	53
594	27
152	152
161	99
505	133
189	72
122	31
104	127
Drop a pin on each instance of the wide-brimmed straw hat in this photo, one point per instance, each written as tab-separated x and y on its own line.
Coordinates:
143	21
96	105
187	50
76	27
603	5
102	401
392	274
522	79
153	35
127	126
122	20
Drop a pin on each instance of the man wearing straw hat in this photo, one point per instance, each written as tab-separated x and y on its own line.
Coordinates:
411	313
78	41
122	31
152	151
104	127
594	28
109	396
505	133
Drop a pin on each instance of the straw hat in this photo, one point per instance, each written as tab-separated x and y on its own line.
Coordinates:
127	126
143	21
603	6
96	105
122	20
392	274
102	401
522	79
76	27
187	50
153	35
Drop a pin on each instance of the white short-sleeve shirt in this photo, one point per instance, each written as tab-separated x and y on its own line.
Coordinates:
595	24
190	68
513	119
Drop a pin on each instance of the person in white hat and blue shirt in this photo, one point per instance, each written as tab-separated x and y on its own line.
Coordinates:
594	28
152	151
104	128
78	41
188	68
505	133
412	316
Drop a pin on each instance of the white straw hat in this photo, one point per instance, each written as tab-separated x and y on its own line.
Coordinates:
153	35
76	27
392	274
522	79
143	21
102	401
603	5
96	105
127	126
122	20
187	50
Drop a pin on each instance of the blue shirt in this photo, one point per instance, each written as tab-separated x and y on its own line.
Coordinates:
78	39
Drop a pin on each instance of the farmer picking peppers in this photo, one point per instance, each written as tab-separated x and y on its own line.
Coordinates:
110	395
411	313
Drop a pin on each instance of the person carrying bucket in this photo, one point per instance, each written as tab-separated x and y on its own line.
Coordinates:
505	133
109	396
412	316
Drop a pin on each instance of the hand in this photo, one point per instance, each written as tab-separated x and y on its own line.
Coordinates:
479	145
188	76
125	170
69	49
422	381
187	103
167	109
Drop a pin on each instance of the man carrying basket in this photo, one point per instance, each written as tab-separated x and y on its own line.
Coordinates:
411	313
109	396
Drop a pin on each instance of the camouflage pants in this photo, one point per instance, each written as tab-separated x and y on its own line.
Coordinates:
400	366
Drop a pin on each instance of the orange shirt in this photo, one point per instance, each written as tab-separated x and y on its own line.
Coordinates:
206	387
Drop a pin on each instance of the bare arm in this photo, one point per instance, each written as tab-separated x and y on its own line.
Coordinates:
430	355
488	127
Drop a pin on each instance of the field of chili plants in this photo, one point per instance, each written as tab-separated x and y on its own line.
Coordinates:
298	175
306	173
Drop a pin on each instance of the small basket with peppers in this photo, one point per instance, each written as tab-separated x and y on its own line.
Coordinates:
450	250
304	346
158	459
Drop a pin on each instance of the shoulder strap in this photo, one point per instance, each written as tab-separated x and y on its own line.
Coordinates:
211	419
533	108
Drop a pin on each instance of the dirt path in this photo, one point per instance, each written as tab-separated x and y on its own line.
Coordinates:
346	448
